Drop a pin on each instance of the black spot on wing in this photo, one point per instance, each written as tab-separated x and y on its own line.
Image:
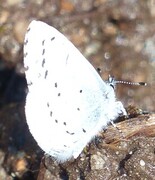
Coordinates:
26	41
65	123
59	94
46	72
84	130
106	95
51	113
70	133
43	52
48	105
80	91
67	58
25	55
43	62
39	75
26	68
52	38
56	120
78	109
56	85
43	42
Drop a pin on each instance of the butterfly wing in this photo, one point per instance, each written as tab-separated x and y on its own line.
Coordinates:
67	103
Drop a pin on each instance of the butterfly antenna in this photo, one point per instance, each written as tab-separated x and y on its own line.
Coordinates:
113	82
131	83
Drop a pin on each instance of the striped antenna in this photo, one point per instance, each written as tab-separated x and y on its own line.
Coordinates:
131	83
113	82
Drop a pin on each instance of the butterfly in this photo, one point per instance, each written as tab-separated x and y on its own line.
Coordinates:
67	103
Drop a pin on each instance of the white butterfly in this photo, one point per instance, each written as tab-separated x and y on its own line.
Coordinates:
67	103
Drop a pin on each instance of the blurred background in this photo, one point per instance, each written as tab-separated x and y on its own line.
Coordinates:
116	36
